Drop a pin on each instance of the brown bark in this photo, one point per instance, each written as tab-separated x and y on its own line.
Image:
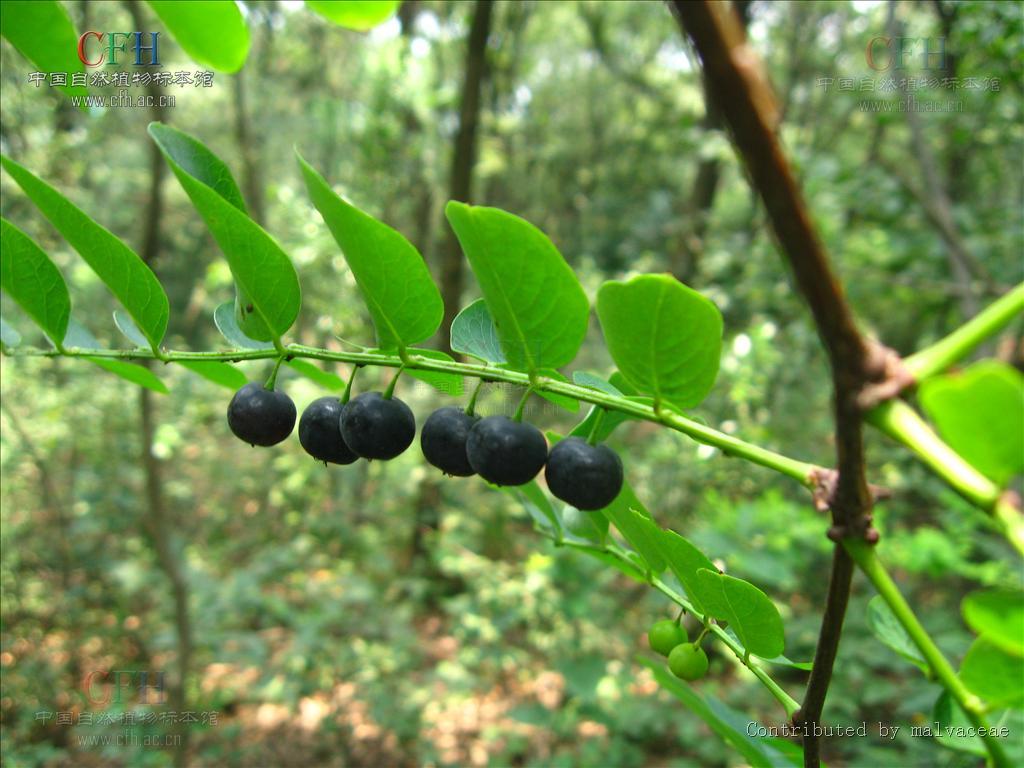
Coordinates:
463	159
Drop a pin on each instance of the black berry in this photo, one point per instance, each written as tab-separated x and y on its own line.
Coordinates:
376	428
586	476
320	432
506	452
259	416
443	440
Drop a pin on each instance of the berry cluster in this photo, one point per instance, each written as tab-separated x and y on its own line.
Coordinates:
372	425
685	659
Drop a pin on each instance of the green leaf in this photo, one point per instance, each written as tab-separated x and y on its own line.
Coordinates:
593	381
628	515
887	628
633	571
445	383
29	277
750	613
8	334
78	336
954	729
474	334
665	338
136	374
686	561
359	15
43	33
609	422
129	329
584	526
224	319
324	379
537	505
993	674
404	303
212	33
980	413
754	750
223	374
998	616
539	308
269	296
118	266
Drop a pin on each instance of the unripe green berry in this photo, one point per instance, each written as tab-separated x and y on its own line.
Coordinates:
688	661
665	635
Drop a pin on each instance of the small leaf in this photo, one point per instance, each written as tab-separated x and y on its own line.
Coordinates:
686	561
539	308
754	750
583	526
537	505
993	674
222	374
980	413
269	296
887	628
392	276
224	319
136	374
998	616
212	33
609	422
750	613
42	32
131	331
630	569
324	379
8	335
79	337
593	381
628	515
359	15
665	338
118	266
29	277
564	402
474	334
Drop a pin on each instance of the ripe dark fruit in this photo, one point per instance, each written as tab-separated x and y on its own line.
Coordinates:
259	416
376	428
586	476
665	635
320	432
443	440
506	452
688	661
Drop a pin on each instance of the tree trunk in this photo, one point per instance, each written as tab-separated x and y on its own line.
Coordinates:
463	159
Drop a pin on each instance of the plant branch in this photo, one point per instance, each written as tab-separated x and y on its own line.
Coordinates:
790	704
973	707
804	473
902	423
735	81
957	345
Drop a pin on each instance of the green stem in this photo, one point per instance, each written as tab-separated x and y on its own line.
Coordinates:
902	423
801	471
272	381
592	437
942	354
391	386
866	558
347	394
790	704
522	404
703	634
470	409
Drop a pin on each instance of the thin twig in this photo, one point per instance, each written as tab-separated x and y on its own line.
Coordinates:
736	81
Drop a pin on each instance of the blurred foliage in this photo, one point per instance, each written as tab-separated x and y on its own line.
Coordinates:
325	634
